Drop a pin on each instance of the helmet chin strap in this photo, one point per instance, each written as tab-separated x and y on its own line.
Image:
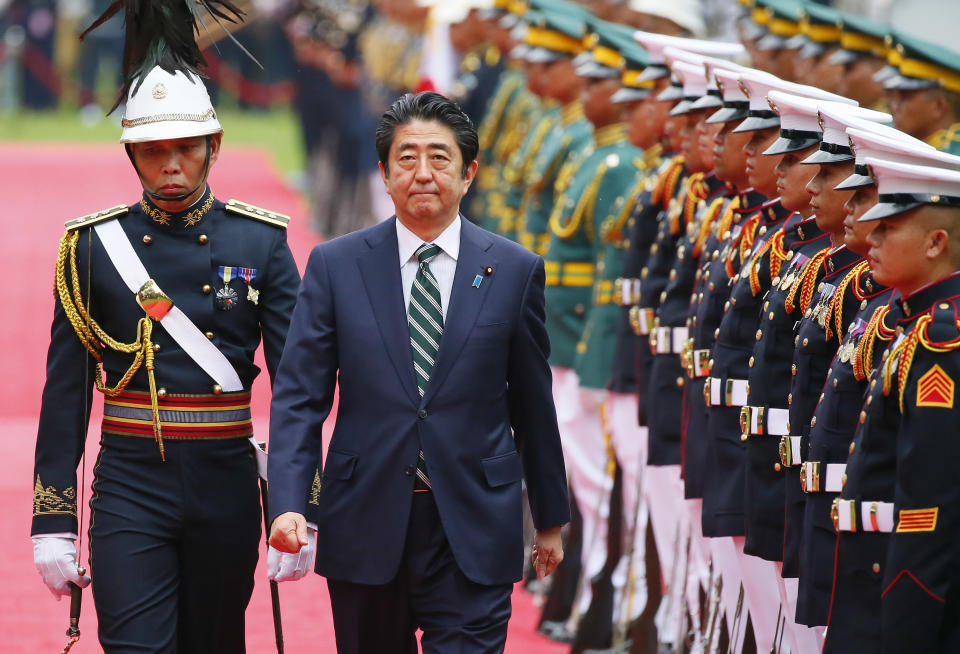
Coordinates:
181	196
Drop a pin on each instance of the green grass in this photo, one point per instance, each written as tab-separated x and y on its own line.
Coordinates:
276	130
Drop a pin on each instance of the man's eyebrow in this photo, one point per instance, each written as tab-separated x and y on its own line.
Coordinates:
406	145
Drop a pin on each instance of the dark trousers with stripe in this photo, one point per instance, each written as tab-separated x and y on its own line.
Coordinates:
429	593
173	544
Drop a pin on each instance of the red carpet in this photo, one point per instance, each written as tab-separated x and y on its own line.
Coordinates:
44	186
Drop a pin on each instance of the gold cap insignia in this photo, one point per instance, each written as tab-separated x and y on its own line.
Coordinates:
159	91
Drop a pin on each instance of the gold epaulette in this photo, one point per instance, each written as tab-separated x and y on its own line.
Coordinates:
97	217
263	215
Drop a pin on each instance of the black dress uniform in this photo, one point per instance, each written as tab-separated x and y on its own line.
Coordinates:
769	384
828	438
701	204
173	543
653	280
723	496
812	355
921	579
869	480
705	313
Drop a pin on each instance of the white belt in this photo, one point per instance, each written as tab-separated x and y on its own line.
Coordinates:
642	320
790	451
725	392
626	291
816	477
700	363
668	340
850	515
764	421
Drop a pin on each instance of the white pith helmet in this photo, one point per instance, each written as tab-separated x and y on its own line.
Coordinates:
168	106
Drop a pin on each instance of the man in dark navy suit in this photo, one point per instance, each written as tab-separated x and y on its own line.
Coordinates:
441	412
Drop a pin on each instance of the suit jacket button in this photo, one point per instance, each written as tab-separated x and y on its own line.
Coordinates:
409	470
422	414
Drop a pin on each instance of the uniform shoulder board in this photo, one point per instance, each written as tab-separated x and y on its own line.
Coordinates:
97	217
263	215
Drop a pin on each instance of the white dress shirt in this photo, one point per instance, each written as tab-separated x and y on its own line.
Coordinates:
443	266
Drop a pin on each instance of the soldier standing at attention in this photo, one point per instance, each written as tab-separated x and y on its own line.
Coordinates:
161	306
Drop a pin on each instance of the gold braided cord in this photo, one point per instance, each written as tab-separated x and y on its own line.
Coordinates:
696	191
586	202
875	329
667	182
723	225
163	118
488	127
519	162
807	282
706	224
615	231
92	335
834	313
904	353
742	244
755	286
778	254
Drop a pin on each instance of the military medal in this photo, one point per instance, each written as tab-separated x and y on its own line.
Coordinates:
248	275
226	298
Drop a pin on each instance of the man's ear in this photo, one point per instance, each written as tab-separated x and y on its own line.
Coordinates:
215	141
384	175
470	175
938	243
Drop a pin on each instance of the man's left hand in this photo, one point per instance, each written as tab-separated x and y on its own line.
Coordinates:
547	551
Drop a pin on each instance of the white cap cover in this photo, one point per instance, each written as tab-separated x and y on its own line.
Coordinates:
165	106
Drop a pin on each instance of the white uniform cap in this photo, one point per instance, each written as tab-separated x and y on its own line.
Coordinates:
168	106
758	84
834	121
694	85
871	140
902	187
687	14
655	45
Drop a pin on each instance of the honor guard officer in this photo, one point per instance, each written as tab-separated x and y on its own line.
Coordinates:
919	603
910	250
862	53
924	94
821	36
161	306
822	458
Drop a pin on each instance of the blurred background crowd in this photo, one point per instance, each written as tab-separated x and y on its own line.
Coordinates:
336	65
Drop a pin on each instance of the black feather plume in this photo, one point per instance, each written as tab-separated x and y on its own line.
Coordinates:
163	33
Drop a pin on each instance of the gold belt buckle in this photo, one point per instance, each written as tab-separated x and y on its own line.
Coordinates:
153	301
706	390
803	474
634	315
835	513
814	467
745	420
786	453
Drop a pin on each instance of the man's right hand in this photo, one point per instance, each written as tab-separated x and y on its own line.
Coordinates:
55	556
289	532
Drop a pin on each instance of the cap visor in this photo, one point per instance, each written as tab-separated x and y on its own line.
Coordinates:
728	115
542	55
824	157
582	58
884	74
841	57
509	21
519	52
771	42
652	72
671	93
627	94
752	31
784	145
901	83
887	210
811	49
708	101
853	182
681	108
597	71
754	123
796	42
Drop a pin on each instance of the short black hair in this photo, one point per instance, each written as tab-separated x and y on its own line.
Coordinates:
428	106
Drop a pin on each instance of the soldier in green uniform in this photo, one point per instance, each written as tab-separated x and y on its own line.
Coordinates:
862	53
924	94
584	233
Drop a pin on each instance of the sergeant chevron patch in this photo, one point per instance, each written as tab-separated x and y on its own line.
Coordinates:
935	389
915	520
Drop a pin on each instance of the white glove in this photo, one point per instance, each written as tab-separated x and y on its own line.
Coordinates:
55	556
282	566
